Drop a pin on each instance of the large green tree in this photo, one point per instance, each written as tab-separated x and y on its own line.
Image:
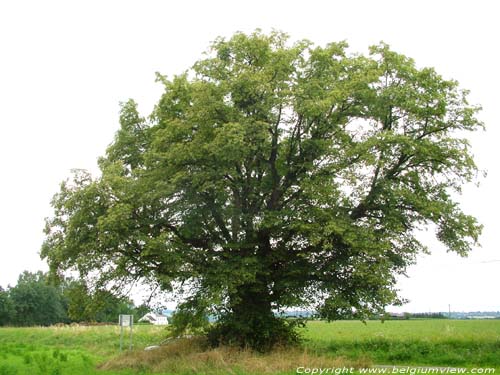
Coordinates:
273	175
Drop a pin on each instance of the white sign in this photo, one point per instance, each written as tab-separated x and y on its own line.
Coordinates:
126	320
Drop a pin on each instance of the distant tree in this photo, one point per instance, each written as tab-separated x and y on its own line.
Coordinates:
36	302
109	306
429	315
273	176
6	308
78	301
94	306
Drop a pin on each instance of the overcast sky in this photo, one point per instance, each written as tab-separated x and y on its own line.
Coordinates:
65	66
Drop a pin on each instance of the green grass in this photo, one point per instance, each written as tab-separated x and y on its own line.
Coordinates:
412	342
80	350
66	350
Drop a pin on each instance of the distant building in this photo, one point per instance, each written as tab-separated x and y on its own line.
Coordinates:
155	318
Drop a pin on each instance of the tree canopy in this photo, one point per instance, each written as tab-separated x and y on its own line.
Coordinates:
271	175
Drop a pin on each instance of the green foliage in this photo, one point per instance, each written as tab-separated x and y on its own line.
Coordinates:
274	175
108	306
7	310
36	302
188	319
78	301
99	306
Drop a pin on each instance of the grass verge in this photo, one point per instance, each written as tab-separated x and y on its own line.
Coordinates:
191	356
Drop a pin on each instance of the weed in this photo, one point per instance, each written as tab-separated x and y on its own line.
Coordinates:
27	359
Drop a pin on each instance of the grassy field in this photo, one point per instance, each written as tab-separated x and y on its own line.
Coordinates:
413	342
66	350
95	350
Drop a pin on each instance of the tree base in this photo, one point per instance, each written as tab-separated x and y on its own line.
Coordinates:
257	332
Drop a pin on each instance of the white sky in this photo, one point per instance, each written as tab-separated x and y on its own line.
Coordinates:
65	65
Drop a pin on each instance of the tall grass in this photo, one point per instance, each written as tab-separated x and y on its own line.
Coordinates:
191	356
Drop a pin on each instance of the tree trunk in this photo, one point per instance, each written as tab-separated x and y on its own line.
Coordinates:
251	322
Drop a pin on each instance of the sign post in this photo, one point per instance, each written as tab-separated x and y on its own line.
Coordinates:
125	321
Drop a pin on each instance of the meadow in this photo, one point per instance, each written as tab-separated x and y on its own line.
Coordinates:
96	350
